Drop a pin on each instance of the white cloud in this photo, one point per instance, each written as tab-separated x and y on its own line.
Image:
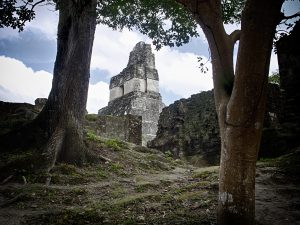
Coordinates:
229	28
98	96
273	63
180	74
25	84
46	21
19	83
111	48
8	96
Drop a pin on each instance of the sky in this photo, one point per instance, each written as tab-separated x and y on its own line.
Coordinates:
27	60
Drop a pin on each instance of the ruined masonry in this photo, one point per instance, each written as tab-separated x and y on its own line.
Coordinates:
135	91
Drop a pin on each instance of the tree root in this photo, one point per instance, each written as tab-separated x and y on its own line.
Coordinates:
7	179
104	158
14	199
48	181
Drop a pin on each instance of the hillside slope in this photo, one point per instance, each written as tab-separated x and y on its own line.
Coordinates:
137	185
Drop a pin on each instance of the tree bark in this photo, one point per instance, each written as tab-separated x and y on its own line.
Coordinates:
239	98
245	113
57	132
61	119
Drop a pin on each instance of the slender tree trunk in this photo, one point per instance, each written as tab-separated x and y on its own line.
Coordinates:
240	98
243	123
62	117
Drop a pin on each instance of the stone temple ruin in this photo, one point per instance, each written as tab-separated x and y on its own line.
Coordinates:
135	91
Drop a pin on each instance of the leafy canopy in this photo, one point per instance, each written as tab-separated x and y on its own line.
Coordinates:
15	13
274	77
232	10
165	22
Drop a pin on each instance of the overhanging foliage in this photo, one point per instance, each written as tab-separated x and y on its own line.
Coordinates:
165	22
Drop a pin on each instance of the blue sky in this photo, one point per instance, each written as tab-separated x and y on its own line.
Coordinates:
27	59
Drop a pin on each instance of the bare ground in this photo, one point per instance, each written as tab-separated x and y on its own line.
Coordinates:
277	198
139	186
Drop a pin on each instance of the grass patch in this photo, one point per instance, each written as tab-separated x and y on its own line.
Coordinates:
70	174
102	173
91	117
195	195
118	191
270	162
133	199
21	164
78	216
116	168
11	124
116	145
113	144
145	187
193	187
206	175
18	157
91	136
48	197
66	169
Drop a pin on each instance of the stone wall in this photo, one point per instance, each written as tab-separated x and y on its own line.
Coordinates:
288	52
273	141
146	105
126	128
288	133
189	128
14	115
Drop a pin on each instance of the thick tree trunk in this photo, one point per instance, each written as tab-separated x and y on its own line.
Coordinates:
62	117
239	99
57	132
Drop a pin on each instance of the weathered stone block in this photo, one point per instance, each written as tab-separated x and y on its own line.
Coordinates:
189	127
135	84
126	128
116	92
152	85
39	103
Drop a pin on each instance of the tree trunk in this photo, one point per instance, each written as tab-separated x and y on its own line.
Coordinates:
243	122
240	98
62	117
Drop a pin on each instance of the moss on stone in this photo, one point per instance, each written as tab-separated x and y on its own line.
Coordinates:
91	117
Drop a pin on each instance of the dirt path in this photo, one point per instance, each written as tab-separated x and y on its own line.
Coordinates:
158	198
277	198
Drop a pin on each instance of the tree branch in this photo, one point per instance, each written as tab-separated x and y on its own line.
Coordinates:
31	10
35	4
235	36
